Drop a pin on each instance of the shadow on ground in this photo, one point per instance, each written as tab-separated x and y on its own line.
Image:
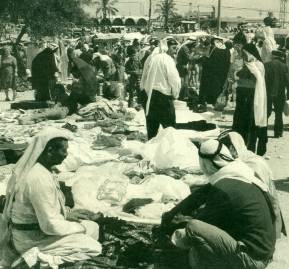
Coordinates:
228	124
282	184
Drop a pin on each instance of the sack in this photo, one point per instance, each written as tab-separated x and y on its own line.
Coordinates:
113	191
221	102
222	98
169	149
286	108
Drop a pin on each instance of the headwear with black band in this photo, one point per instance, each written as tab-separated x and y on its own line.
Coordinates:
251	48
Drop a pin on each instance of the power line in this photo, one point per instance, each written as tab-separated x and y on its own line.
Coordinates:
186	4
182	3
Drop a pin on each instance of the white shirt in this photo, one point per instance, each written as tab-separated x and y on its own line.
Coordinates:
160	74
42	202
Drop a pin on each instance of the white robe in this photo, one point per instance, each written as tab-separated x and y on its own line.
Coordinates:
41	201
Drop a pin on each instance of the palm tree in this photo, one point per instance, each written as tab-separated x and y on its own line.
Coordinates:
106	8
167	10
150	15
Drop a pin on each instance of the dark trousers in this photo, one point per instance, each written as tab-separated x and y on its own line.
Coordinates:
213	248
244	122
277	103
184	93
257	139
133	88
161	112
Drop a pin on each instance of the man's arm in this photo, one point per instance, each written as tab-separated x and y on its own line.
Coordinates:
189	55
173	77
286	79
189	204
44	198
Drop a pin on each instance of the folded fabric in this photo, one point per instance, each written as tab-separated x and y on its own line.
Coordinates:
200	126
132	205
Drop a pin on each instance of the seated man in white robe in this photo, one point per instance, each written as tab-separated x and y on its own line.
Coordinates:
41	229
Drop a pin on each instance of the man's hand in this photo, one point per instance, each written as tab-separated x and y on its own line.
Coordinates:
179	218
97	217
78	215
167	218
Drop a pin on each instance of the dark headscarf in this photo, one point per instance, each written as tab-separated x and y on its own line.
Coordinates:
240	38
251	48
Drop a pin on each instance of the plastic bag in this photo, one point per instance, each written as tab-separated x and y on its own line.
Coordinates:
169	187
221	102
80	153
113	191
171	149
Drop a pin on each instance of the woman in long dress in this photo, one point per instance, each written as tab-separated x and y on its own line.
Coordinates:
8	73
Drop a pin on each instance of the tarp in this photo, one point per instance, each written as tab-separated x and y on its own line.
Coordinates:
132	36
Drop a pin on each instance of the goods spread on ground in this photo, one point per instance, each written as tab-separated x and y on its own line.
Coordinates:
113	169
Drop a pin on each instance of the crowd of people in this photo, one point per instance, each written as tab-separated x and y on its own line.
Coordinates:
234	220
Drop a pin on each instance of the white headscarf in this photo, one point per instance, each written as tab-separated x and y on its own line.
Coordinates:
262	172
269	44
260	97
188	41
240	146
255	162
149	71
27	161
217	162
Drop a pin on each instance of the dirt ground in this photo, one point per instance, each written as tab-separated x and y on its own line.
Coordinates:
277	156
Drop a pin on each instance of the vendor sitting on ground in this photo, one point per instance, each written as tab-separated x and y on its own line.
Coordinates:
236	227
39	226
85	87
116	89
235	143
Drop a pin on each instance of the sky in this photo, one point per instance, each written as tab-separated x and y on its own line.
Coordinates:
231	8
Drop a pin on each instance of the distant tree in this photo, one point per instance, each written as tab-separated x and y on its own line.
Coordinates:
167	11
42	17
106	8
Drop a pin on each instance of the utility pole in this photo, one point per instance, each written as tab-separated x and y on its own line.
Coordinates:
150	15
199	18
219	18
283	12
214	12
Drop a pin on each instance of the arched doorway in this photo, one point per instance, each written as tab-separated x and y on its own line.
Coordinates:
142	22
117	22
105	22
130	22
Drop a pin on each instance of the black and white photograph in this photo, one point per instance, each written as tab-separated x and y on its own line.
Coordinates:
144	134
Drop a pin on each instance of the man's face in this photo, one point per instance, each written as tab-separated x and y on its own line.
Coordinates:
238	48
134	56
59	154
191	45
172	50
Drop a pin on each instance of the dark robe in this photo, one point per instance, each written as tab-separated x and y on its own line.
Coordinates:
88	77
43	74
87	56
85	89
214	74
